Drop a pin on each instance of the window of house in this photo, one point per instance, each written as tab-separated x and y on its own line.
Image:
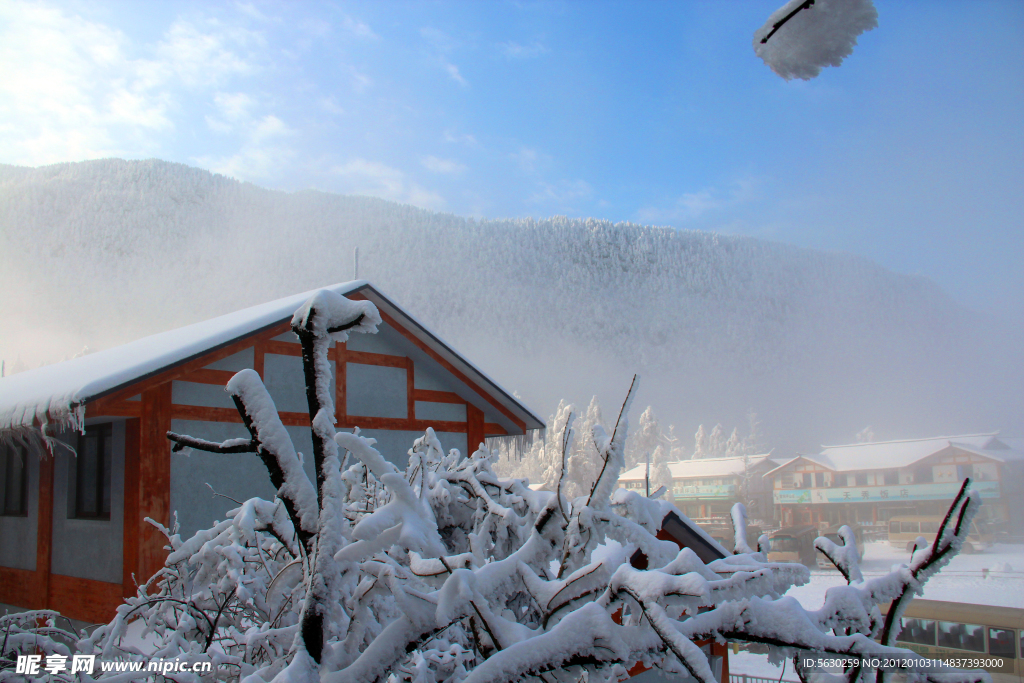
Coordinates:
1002	642
807	480
923	475
964	471
861	479
14	470
89	486
891	478
838	480
819	479
920	631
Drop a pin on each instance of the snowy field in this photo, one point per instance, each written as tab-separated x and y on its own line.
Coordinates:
993	577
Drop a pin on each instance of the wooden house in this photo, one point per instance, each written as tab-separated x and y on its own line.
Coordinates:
72	535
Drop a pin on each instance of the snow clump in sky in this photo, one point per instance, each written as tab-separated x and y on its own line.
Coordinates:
803	36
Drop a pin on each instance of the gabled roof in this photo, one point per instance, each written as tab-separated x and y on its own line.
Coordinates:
880	455
705	467
57	393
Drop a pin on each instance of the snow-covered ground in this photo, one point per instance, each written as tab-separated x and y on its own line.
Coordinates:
993	577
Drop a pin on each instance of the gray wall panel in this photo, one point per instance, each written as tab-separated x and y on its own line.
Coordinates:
428	410
241	360
387	340
240	476
376	391
196	394
285	381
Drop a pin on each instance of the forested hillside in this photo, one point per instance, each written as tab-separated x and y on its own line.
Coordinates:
819	344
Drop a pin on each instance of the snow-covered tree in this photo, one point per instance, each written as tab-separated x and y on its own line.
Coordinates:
584	461
733	446
700	444
661	474
446	573
643	442
753	443
803	36
542	461
866	435
716	442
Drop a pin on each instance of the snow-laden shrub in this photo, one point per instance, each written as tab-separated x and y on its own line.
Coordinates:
445	572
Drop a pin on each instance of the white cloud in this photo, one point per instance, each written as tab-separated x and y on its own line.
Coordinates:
514	50
357	28
453	72
438	39
233	108
196	58
563	193
373	178
461	138
529	159
443	45
74	89
262	154
436	165
331	106
695	205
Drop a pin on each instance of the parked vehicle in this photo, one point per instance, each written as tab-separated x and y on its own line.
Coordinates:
953	630
904	530
794	544
832	533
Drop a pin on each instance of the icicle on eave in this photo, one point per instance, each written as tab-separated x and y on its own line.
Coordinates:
514	445
37	427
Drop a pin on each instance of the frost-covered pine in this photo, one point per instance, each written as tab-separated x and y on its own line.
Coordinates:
733	446
645	439
700	444
803	36
584	460
661	474
716	442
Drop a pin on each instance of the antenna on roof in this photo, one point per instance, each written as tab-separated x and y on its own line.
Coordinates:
355	264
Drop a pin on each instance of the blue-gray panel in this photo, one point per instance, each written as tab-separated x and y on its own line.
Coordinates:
89	548
18	534
428	410
430	375
288	337
239	361
387	340
376	391
240	476
284	379
196	394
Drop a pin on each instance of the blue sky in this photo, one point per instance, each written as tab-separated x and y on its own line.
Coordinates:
911	153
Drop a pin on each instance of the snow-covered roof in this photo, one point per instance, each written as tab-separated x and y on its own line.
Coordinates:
705	467
878	455
58	392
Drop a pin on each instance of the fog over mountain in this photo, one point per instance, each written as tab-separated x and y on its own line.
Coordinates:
818	344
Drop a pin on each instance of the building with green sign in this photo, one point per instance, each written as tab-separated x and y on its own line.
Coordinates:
867	483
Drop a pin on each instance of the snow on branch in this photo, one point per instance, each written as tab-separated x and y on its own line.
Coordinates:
443	572
803	36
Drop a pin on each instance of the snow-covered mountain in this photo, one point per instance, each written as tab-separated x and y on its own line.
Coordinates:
819	344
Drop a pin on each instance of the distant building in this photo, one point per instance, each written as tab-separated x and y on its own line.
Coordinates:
871	482
708	487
